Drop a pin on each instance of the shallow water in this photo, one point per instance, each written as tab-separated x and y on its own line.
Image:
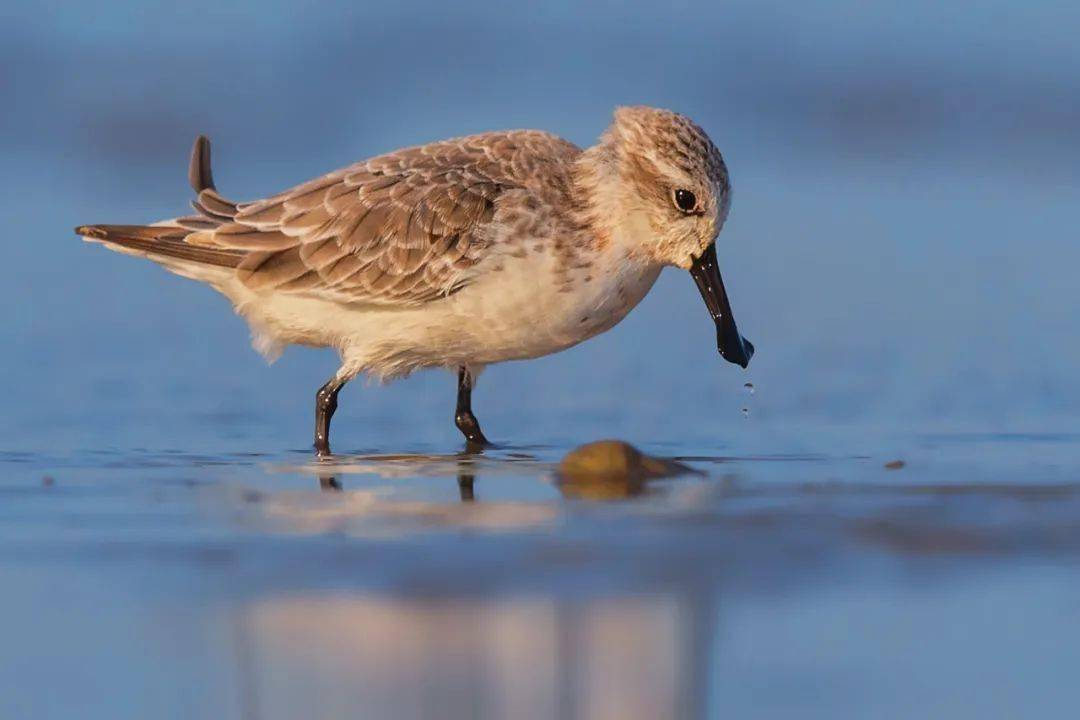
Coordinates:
169	584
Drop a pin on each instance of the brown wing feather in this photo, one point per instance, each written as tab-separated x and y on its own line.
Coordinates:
399	228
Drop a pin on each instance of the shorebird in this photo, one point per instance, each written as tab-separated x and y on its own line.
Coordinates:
460	253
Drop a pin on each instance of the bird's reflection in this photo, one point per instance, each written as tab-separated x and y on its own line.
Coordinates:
566	654
604	470
465	482
604	654
466	476
329	483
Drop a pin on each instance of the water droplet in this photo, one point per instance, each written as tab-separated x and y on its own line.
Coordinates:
746	412
749	387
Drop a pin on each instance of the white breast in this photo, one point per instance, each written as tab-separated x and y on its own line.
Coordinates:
525	311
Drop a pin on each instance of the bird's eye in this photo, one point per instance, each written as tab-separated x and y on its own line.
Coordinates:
685	200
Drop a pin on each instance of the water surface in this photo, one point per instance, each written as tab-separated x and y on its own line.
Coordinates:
170	584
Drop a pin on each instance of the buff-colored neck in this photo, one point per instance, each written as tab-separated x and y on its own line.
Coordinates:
606	202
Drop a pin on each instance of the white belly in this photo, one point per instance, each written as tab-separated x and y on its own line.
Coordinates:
516	312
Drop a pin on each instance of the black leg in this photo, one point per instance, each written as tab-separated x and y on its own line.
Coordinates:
325	405
329	483
465	487
463	417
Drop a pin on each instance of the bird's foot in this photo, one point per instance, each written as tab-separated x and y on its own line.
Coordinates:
474	437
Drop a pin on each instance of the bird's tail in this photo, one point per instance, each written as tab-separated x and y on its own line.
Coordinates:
170	242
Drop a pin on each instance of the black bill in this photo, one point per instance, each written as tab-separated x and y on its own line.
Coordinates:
733	346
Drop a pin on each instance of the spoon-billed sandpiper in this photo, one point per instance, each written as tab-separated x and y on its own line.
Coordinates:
461	253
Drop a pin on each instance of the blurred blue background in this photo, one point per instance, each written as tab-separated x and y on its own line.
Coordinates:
902	245
902	250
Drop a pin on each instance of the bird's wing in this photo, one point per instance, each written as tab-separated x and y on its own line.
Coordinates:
402	228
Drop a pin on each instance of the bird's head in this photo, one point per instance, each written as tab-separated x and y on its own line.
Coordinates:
662	188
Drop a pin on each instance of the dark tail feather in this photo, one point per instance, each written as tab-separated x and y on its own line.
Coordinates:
199	174
160	240
208	201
